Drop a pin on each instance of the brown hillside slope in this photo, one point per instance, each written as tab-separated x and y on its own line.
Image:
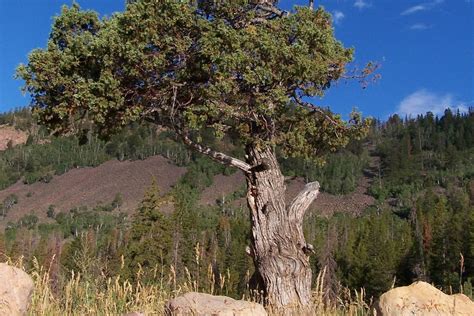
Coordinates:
90	186
8	133
326	204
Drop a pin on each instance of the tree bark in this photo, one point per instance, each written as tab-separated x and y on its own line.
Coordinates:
278	246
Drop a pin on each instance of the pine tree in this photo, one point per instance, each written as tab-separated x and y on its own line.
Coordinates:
150	238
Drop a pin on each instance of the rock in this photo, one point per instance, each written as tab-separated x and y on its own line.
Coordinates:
205	304
420	298
16	287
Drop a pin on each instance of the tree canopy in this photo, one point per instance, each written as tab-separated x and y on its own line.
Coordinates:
243	68
239	68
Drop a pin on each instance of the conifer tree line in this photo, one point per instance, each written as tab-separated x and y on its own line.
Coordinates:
420	227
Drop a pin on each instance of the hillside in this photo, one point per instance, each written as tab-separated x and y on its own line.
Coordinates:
67	174
91	186
326	204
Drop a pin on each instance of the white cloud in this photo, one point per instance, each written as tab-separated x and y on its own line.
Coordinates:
421	7
361	4
419	27
337	16
414	9
422	101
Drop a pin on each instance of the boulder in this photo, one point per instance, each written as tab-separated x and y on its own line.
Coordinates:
420	298
16	287
205	304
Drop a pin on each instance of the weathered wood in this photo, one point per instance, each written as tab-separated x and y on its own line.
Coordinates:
278	247
279	250
213	154
303	200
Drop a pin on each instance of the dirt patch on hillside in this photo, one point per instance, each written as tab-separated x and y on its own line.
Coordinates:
326	204
222	186
90	186
9	133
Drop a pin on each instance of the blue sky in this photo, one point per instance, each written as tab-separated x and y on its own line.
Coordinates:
425	48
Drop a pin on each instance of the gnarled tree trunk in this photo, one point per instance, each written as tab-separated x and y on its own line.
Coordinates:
279	249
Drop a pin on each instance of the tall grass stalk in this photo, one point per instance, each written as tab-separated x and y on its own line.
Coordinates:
82	295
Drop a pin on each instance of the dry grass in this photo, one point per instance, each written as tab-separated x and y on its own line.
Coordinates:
114	296
81	295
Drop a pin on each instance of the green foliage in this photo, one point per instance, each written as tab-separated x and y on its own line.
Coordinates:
113	205
51	213
368	250
8	203
39	161
426	151
28	221
19	118
150	238
191	68
201	173
338	176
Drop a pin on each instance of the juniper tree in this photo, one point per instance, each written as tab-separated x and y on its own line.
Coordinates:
244	68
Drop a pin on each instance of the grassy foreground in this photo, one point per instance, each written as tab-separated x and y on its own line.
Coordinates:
81	295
